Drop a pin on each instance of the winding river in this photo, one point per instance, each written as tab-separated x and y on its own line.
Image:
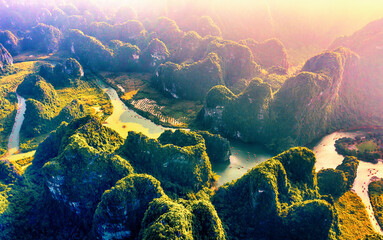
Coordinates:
246	156
14	138
327	157
124	119
243	158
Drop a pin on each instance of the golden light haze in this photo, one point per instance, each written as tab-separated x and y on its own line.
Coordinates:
323	17
305	27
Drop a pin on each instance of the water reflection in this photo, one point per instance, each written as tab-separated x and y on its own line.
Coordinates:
14	138
244	157
124	120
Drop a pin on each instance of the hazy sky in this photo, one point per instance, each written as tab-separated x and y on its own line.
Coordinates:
328	16
296	22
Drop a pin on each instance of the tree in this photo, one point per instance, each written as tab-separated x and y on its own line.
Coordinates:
332	182
44	38
122	208
350	167
309	220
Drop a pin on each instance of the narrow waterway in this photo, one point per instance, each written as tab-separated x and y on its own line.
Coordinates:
246	156
327	157
124	119
14	138
243	158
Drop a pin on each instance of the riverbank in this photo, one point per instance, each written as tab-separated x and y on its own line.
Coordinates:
123	119
14	138
13	155
244	156
135	90
327	157
82	93
367	147
8	102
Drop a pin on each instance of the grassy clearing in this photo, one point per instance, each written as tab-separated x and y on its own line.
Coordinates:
94	100
136	87
368	146
24	161
84	90
353	219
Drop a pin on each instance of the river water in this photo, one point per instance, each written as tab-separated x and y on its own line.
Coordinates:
243	158
246	156
124	119
14	138
327	157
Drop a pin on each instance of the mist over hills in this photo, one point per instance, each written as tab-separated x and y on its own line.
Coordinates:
261	73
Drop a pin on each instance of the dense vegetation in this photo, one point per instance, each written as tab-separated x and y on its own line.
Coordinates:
77	164
88	175
5	58
375	192
306	107
8	99
10	42
279	193
43	38
179	160
368	149
337	181
88	50
354	221
270	54
86	182
243	116
189	81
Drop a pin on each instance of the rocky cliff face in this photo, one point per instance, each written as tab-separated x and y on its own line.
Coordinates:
189	81
10	42
154	55
44	38
267	196
332	91
183	163
122	208
242	116
5	58
83	144
365	88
